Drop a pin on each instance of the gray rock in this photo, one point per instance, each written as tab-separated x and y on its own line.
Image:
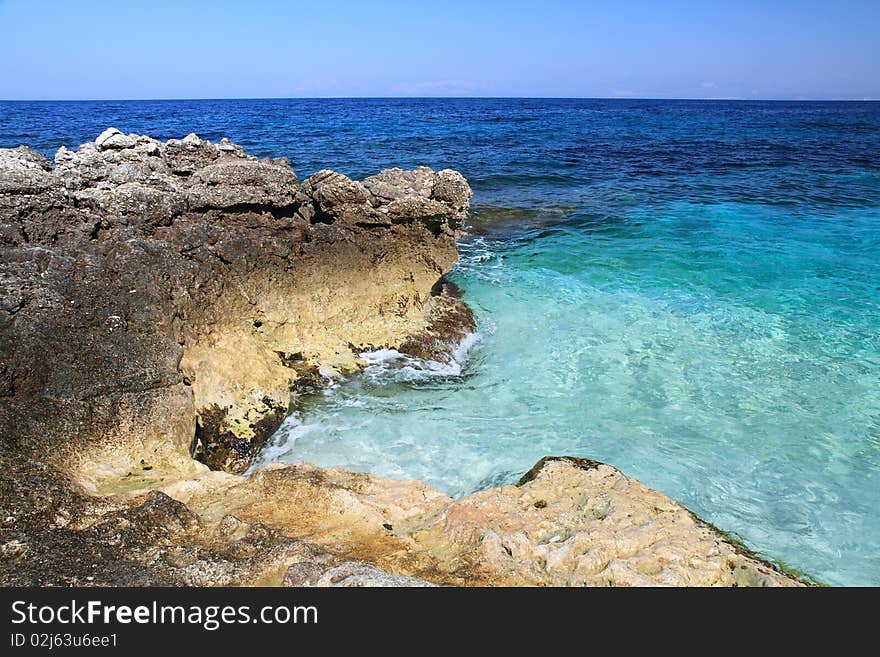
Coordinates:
339	198
113	138
226	146
136	202
22	157
304	573
89	166
450	187
139	178
233	181
394	184
347	574
184	156
27	186
439	200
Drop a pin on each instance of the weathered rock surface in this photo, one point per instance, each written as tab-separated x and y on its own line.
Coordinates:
439	200
158	296
156	541
570	522
159	300
347	574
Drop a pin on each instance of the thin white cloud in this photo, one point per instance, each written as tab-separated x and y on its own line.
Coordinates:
435	88
709	85
318	85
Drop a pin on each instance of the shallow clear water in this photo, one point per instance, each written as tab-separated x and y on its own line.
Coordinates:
731	373
688	291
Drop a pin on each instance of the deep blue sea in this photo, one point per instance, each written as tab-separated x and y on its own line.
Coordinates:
688	290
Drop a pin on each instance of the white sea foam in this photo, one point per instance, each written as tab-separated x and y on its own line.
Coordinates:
383	366
284	440
404	367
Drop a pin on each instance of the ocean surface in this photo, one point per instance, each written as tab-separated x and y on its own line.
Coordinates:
688	290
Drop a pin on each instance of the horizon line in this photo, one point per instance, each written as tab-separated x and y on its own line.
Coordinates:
624	98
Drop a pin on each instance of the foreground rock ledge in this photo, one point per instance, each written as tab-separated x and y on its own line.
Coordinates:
572	522
162	300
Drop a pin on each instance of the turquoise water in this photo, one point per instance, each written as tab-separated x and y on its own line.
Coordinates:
735	370
687	290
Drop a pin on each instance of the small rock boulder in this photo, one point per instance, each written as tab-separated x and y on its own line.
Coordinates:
337	197
113	138
450	187
439	200
393	184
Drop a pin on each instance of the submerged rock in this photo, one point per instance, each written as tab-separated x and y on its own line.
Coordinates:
451	320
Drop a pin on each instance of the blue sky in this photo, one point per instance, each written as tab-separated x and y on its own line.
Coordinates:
72	49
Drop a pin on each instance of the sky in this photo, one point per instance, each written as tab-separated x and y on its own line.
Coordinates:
93	49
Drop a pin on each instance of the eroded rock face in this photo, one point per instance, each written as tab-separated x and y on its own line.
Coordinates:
167	297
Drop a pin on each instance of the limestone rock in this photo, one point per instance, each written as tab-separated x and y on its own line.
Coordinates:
113	138
27	187
394	184
580	522
90	166
570	522
136	202
187	155
450	187
184	291
231	182
451	320
347	574
338	198
22	157
439	200
153	540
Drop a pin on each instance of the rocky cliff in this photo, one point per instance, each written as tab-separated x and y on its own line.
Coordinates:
163	304
161	298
